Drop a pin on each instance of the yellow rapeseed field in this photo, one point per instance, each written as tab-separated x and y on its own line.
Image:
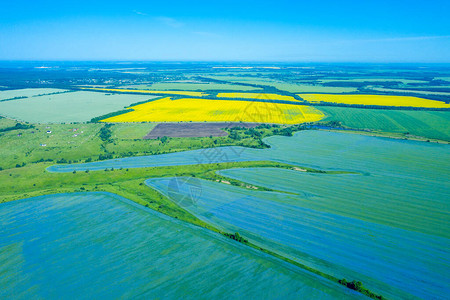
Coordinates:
184	93
200	110
380	100
262	96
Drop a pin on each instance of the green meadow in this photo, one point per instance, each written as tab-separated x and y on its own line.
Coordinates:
80	142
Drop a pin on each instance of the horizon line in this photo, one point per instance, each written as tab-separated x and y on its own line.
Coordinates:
219	61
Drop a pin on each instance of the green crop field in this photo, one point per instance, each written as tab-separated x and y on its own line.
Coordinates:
26	93
443	78
131	131
186	86
286	86
430	124
308	88
409	91
404	81
254	79
149	265
67	107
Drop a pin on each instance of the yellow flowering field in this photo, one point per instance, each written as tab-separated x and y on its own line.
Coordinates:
184	93
380	100
262	96
200	110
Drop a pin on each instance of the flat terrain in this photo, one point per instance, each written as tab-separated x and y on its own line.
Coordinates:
27	93
391	200
130	132
133	91
301	193
428	124
310	88
78	142
285	86
375	100
411	91
66	107
42	240
201	110
194	129
62	140
263	96
189	86
413	210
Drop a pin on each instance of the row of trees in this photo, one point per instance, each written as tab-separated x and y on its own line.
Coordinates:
17	127
236	237
358	286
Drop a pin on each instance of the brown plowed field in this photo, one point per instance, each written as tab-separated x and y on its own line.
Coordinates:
193	129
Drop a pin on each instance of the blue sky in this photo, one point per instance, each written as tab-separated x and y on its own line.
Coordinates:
301	31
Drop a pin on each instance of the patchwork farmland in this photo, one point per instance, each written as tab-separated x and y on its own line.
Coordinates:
322	182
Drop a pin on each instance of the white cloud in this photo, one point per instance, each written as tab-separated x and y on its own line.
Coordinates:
171	22
140	13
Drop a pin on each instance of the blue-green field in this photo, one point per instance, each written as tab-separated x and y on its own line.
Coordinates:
387	225
98	245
